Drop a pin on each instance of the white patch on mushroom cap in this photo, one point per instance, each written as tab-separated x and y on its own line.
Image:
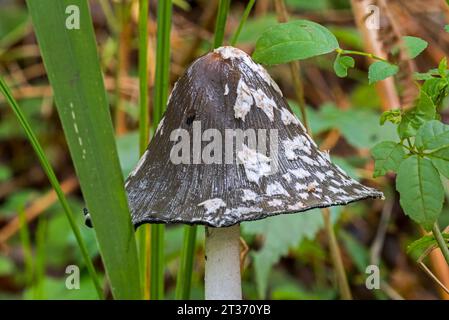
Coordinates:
160	126
297	206
275	203
336	190
212	205
249	195
300	173
298	143
139	164
308	160
287	117
228	52
303	195
300	186
256	164
240	211
244	100
226	90
275	188
321	176
287	177
263	102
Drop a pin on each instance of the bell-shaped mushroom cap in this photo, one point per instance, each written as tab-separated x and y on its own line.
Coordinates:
229	150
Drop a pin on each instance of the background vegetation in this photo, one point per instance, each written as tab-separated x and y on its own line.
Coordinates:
288	255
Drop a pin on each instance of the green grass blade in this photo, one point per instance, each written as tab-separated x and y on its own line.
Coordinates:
39	293
220	24
184	279
71	60
24	234
162	79
144	129
54	182
246	13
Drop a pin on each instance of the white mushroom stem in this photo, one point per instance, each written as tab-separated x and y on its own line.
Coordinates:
222	278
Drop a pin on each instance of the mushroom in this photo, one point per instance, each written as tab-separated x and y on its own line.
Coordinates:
229	150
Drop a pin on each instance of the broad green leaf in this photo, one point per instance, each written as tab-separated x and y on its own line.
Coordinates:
394	116
421	191
418	247
446	28
381	70
296	40
413	119
436	89
341	65
388	156
440	158
281	233
414	45
432	135
71	60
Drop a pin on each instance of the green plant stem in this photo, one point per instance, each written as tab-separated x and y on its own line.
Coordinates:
360	53
343	285
39	293
25	241
184	279
220	24
162	78
246	13
441	242
54	182
144	125
144	132
334	247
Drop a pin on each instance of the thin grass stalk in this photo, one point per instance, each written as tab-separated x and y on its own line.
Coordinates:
54	182
334	247
220	24
441	242
246	13
123	10
162	78
184	279
144	129
24	234
39	293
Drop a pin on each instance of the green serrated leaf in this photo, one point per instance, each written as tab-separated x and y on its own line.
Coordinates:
394	116
442	166
421	192
432	135
341	65
280	233
440	158
381	70
388	156
436	89
296	40
414	45
418	247
413	119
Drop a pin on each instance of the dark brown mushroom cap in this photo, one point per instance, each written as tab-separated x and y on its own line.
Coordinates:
226	90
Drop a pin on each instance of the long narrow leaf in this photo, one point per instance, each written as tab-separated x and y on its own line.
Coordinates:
164	13
66	38
54	182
